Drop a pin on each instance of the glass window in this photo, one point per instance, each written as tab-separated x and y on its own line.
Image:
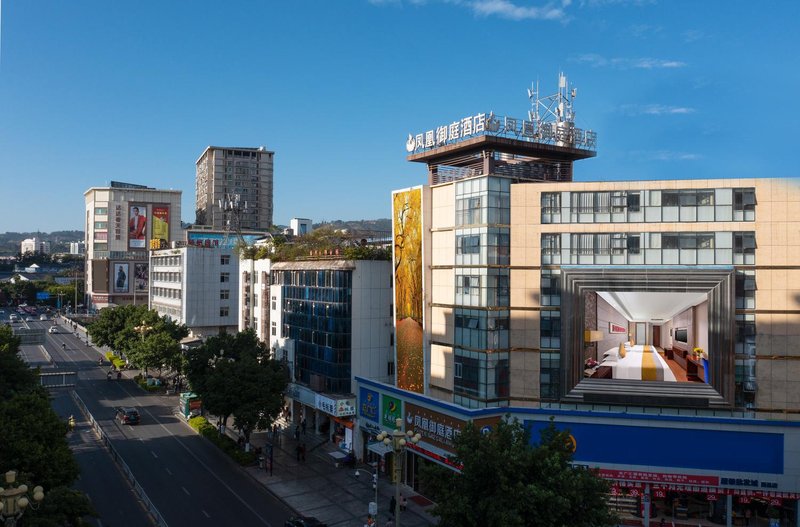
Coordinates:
224	277
224	294
550	333
633	243
469	244
634	201
225	259
551	202
670	198
223	311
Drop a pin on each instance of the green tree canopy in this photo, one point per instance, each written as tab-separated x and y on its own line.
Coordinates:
235	375
506	482
147	339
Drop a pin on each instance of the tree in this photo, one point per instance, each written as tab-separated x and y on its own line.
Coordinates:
147	339
507	482
235	375
33	441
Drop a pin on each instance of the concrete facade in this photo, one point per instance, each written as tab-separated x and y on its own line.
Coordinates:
110	247
224	172
197	287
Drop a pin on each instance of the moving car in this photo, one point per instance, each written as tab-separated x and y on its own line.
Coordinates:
127	415
52	329
43	317
304	521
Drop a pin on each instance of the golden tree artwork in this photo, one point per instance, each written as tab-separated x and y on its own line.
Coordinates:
407	230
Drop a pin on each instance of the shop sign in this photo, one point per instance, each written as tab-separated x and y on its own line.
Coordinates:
368	404
435	428
118	222
744	500
679	479
711	497
370	427
391	410
659	493
326	404
775	502
345	407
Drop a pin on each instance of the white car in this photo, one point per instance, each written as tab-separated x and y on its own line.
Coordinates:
42	317
52	329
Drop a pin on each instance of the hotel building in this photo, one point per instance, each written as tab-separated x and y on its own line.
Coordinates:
656	320
123	221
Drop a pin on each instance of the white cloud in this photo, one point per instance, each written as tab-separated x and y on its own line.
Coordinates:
692	35
598	61
512	11
668	155
644	30
655	109
508	9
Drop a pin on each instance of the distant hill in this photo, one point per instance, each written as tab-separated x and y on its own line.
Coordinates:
379	226
59	240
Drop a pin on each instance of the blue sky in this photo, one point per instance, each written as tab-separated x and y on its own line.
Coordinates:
93	91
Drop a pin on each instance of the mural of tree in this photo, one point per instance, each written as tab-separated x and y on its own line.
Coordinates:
407	230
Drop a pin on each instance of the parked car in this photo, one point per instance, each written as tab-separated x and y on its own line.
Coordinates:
127	415
304	521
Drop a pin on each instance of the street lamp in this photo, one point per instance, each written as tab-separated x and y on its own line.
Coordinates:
398	440
13	501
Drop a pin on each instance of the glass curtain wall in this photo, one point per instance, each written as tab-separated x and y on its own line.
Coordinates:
481	300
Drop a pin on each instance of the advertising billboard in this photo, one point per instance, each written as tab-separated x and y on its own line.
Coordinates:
368	404
391	410
121	277
140	273
408	305
218	239
160	223
137	227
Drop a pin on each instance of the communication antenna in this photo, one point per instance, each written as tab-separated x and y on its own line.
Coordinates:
553	116
233	208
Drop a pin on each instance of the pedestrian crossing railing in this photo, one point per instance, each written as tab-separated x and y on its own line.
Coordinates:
151	508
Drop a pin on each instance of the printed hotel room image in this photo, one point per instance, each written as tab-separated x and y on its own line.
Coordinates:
646	336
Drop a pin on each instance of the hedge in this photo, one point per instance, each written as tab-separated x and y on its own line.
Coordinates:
223	442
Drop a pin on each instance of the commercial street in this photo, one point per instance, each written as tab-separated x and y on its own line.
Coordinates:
187	478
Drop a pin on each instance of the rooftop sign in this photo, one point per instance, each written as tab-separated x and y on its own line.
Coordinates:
555	133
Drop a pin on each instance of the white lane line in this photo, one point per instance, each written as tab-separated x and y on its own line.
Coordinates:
168	471
199	461
207	514
184	490
154	454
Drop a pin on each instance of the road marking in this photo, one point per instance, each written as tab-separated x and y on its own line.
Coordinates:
154	454
200	461
186	491
168	471
207	514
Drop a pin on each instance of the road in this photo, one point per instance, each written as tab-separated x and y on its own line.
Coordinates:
188	479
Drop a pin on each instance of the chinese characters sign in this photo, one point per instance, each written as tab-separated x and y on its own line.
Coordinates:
335	407
391	410
483	124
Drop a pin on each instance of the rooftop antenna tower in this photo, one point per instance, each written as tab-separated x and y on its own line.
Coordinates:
554	115
233	208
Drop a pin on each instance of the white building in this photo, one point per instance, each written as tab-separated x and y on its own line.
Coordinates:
196	286
34	245
123	221
77	247
300	226
254	279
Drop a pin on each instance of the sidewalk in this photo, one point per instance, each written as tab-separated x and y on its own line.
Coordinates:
316	487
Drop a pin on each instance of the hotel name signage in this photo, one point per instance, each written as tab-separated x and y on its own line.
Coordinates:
483	124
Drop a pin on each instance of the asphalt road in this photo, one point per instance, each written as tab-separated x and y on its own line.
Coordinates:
188	479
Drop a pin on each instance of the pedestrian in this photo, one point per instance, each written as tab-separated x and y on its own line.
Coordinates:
389	523
296	433
303	451
303	424
403	502
392	506
298	449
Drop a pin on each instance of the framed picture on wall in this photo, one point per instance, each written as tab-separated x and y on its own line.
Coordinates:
616	328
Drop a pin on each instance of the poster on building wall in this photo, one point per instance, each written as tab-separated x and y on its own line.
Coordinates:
140	272
160	225
408	302
121	277
391	410
137	227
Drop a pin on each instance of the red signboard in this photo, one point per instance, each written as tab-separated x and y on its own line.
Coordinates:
658	477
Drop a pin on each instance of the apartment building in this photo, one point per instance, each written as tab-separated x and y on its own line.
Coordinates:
234	188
